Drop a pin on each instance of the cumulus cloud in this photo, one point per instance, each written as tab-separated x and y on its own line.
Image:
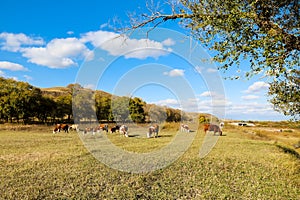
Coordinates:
197	105
58	53
168	42
257	87
212	94
175	72
202	69
208	94
104	25
211	70
70	32
222	107
250	97
14	42
65	52
121	45
250	108
28	78
90	86
168	102
12	66
97	38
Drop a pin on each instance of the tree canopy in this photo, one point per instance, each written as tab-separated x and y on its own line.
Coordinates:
262	33
22	102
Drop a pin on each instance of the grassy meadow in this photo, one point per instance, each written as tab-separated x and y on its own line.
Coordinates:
246	163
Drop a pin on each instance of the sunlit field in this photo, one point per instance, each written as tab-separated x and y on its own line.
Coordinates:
246	163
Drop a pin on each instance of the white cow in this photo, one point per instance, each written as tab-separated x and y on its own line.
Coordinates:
124	130
222	124
74	127
184	128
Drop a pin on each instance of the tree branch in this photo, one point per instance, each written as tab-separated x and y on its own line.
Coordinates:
163	17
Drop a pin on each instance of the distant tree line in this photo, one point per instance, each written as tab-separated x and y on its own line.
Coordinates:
23	103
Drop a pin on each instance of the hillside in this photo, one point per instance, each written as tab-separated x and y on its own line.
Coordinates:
29	104
56	92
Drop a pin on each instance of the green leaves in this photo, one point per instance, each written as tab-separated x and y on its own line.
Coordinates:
265	33
17	99
286	94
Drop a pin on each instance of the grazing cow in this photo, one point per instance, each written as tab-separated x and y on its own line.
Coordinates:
58	127
103	127
222	124
184	128
90	130
212	127
74	127
153	130
115	129
124	130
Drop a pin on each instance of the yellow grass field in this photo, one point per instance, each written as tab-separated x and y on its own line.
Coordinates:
258	162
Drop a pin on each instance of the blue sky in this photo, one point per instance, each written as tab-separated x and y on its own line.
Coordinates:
52	43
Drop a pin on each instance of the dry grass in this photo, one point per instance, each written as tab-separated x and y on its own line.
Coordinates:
37	164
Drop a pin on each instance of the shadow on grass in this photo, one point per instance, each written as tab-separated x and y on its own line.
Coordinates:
165	136
135	135
162	136
289	151
145	136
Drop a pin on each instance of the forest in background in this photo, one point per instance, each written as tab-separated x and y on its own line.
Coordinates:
21	102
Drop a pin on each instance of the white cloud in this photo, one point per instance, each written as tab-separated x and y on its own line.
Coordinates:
168	102
250	108
90	86
103	25
212	94
118	45
70	32
175	72
211	70
2	73
208	94
28	78
250	97
65	52
14	42
12	66
59	53
257	87
168	42
223	108
216	106
97	38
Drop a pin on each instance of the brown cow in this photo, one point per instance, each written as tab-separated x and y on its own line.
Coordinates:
103	127
58	127
153	129
212	127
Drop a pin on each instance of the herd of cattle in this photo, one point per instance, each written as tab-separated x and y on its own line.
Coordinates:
123	129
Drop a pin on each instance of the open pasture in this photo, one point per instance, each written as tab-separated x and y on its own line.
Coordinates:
246	163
